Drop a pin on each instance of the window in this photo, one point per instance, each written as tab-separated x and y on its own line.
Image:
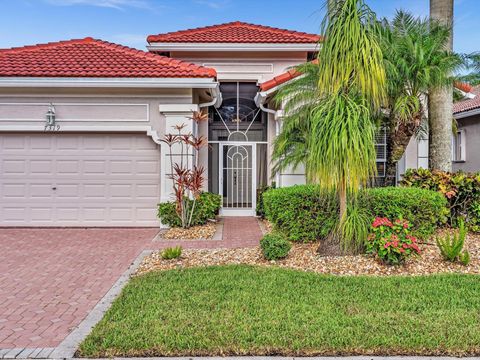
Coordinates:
381	149
459	150
239	118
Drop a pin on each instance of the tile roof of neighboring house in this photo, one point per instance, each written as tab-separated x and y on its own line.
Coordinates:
468	104
235	32
93	58
282	78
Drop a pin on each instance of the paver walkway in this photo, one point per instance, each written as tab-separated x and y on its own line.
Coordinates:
50	279
238	232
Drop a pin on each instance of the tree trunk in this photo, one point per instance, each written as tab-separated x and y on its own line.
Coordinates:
440	100
342	197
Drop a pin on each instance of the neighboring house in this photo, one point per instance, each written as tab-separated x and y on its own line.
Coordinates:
466	142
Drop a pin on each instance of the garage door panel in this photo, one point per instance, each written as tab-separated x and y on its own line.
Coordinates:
14	167
78	180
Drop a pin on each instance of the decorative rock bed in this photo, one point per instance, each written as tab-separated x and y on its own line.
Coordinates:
304	257
203	232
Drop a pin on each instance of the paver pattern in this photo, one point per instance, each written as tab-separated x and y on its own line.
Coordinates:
51	278
238	232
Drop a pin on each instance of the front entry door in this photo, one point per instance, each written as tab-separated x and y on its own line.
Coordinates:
237	173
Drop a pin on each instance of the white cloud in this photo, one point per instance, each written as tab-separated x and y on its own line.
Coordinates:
213	4
114	4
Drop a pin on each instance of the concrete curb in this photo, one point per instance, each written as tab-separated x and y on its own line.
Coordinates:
299	358
69	345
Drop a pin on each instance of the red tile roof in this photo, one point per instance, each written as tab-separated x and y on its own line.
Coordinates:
468	104
463	86
235	32
282	78
93	58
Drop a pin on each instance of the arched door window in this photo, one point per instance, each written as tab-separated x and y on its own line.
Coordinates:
239	118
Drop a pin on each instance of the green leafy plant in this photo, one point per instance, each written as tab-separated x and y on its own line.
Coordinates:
260	210
207	207
354	229
172	253
302	212
275	246
391	241
451	246
425	210
461	190
305	213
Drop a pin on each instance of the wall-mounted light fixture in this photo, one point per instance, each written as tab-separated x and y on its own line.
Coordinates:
50	119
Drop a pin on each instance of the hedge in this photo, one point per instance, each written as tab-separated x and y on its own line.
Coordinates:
305	213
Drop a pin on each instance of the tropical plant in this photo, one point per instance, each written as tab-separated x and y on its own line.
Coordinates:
187	178
328	111
440	98
351	90
391	241
451	246
473	64
461	190
171	253
274	246
415	60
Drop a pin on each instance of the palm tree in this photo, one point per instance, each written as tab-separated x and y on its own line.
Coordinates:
440	99
473	78
415	60
332	123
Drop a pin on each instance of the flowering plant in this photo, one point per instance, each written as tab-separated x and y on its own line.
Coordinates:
391	241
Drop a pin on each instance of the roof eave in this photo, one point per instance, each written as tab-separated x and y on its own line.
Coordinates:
467	113
184	46
85	82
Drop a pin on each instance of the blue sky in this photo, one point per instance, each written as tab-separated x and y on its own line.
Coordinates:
129	21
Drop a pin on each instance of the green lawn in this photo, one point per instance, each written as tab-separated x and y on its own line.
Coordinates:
240	310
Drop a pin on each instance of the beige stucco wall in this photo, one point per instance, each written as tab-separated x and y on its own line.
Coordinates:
94	110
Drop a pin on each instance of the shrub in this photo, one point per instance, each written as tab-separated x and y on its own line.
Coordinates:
206	207
260	210
451	246
305	213
302	212
423	209
275	246
172	253
461	190
391	242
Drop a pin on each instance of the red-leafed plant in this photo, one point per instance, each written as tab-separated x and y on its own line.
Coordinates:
187	175
391	241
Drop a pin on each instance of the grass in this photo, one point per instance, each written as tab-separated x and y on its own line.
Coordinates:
243	310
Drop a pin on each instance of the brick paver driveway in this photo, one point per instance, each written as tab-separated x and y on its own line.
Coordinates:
51	278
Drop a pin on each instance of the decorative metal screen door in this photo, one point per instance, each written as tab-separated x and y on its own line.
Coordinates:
238	178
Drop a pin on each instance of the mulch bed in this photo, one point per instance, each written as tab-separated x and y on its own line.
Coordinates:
204	232
305	257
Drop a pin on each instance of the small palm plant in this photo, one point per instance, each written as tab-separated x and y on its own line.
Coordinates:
451	246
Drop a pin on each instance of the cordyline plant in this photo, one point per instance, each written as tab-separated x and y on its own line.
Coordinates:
187	176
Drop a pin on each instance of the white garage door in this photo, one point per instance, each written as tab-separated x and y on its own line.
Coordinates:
78	180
